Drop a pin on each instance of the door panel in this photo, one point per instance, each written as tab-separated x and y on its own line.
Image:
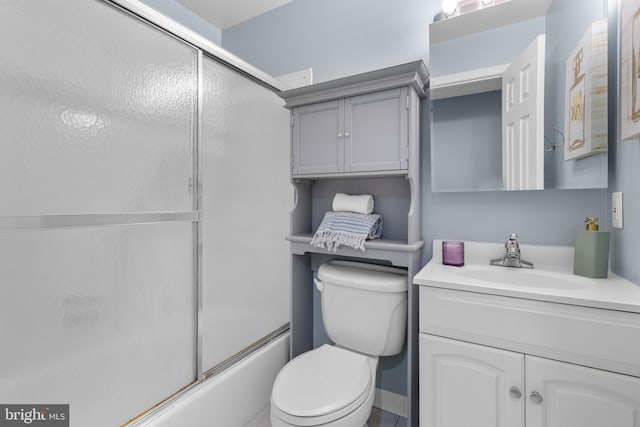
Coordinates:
318	138
376	131
523	120
245	285
100	318
575	396
464	385
97	111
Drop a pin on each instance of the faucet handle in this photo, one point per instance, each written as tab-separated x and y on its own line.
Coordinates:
513	236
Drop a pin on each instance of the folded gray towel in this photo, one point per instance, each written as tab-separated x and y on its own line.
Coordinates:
348	229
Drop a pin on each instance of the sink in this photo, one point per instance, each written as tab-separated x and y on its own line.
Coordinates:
522	277
552	279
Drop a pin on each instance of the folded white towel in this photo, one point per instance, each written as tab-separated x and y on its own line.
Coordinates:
362	204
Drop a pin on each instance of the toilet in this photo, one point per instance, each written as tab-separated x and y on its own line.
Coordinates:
364	312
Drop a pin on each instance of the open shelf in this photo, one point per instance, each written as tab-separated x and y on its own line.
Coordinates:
392	250
468	82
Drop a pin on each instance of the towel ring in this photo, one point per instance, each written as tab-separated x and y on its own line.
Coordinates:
552	144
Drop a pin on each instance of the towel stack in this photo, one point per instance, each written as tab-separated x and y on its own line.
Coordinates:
351	223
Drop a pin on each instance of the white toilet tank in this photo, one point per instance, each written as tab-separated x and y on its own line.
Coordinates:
364	306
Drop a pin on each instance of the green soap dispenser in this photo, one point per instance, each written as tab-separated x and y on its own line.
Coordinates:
591	257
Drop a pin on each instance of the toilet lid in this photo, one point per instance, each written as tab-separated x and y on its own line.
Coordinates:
322	381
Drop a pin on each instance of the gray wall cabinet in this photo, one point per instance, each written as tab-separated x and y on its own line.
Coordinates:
358	135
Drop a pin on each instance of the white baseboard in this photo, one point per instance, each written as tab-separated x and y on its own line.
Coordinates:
390	402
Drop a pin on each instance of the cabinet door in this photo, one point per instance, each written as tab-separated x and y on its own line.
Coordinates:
575	396
376	131
318	138
463	385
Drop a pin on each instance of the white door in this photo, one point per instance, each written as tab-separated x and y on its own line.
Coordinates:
523	120
463	385
575	396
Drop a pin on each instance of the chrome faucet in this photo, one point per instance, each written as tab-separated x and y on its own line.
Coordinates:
511	257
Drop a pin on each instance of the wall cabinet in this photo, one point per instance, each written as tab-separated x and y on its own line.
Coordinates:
465	380
356	134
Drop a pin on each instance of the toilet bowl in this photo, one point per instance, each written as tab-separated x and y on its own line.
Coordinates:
364	309
328	386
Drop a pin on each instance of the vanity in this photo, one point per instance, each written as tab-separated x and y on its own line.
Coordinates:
516	347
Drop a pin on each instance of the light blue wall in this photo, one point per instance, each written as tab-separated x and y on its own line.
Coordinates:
562	37
181	14
624	175
484	49
343	37
335	37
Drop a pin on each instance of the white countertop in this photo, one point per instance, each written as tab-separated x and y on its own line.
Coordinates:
551	280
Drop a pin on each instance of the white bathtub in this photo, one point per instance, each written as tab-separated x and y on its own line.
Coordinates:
230	399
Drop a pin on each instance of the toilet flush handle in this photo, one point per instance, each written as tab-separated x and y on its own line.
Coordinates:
319	284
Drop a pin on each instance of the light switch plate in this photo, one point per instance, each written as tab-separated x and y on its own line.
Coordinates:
616	210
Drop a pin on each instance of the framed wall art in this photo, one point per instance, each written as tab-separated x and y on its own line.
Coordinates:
630	68
586	95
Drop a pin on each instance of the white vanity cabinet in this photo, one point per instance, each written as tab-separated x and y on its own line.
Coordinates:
464	384
490	360
356	134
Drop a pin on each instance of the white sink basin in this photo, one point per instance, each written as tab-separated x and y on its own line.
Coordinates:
551	280
522	277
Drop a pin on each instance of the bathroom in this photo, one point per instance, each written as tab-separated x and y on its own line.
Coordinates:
335	38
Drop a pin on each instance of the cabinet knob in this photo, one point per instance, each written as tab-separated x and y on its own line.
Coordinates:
340	135
515	392
536	397
347	134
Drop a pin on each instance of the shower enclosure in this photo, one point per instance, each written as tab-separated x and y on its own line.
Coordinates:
144	200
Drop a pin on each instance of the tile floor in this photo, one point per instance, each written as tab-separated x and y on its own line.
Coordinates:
378	418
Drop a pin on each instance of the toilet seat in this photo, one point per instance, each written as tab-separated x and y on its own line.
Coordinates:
321	386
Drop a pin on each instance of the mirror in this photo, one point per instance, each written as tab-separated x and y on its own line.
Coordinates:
469	58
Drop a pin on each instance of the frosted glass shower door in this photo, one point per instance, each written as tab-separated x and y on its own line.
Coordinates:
96	111
247	198
97	241
99	318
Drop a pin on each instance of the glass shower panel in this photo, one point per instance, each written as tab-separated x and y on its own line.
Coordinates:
100	318
247	198
97	111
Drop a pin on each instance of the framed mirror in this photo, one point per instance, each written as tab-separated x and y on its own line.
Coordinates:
474	57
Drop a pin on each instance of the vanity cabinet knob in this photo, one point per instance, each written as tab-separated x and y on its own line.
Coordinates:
340	135
536	397
347	134
515	392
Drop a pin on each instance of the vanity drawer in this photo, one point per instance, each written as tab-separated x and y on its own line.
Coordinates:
604	339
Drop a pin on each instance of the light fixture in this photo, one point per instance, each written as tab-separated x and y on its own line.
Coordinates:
449	7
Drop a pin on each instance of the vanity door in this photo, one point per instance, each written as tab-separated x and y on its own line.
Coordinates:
564	395
464	385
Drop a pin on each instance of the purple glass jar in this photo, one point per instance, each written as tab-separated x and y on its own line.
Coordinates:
453	253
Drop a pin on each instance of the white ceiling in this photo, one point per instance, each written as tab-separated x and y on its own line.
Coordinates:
226	13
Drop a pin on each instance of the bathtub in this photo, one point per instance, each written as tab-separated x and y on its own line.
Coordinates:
233	398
